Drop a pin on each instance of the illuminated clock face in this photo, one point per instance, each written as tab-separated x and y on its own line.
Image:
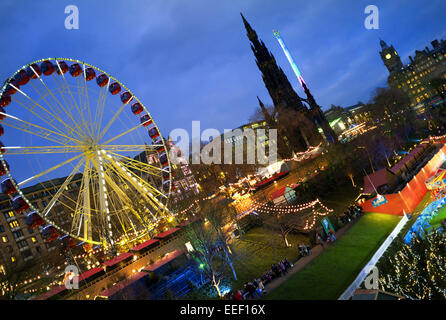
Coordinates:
388	56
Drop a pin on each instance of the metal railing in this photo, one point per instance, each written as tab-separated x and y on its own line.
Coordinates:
348	293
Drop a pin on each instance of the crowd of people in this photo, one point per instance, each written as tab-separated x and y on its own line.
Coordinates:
329	238
256	288
304	250
352	212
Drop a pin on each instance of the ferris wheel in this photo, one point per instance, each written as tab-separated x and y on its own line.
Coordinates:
77	137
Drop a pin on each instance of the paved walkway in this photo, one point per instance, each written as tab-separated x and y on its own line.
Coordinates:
303	261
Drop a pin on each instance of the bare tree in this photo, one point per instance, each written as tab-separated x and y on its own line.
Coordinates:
211	247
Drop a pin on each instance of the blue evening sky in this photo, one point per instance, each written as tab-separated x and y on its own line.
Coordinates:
191	60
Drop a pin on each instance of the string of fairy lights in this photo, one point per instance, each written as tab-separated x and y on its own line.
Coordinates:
438	137
300	156
266	208
195	203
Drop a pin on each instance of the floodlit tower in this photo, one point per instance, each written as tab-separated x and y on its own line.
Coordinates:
316	111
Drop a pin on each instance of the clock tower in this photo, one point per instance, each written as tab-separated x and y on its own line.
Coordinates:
390	57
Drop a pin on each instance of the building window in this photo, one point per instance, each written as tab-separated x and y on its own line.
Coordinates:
22	244
26	254
17	234
13	224
2	229
9	214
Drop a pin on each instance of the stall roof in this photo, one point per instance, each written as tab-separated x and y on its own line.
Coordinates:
144	244
164	234
122	284
87	274
281	191
169	257
407	158
117	259
50	293
378	178
274	177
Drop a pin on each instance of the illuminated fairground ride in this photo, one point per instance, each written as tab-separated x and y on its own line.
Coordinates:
85	150
437	183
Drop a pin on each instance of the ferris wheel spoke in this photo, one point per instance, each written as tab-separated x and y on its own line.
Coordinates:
19	150
138	183
48	120
37	130
112	120
52	113
97	112
125	181
76	215
62	107
101	109
142	167
157	170
62	188
122	134
120	167
110	197
82	91
74	100
127	148
122	196
88	102
98	163
69	107
86	208
127	178
49	170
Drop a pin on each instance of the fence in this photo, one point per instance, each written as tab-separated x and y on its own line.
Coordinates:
348	293
410	196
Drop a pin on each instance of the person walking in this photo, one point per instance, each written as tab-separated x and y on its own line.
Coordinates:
283	267
261	287
319	240
238	295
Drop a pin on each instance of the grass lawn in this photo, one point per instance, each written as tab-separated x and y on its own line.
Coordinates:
258	250
327	276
